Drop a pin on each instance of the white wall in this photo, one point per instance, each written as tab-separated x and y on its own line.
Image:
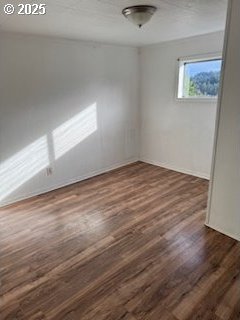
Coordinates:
67	105
175	134
224	204
48	85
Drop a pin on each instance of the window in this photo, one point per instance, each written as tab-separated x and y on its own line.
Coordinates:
199	78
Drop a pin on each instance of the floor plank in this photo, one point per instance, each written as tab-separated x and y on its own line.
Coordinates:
126	245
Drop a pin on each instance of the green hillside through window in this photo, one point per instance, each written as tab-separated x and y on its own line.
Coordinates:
201	79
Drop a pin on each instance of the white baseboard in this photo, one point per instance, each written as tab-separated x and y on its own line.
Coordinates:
67	183
233	236
175	168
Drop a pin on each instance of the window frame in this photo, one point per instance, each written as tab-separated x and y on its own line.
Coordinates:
180	76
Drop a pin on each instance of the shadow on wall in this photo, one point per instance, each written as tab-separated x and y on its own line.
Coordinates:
38	155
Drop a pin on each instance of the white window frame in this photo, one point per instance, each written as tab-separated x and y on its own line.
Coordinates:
180	83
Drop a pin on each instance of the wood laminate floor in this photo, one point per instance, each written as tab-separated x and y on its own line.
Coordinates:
127	245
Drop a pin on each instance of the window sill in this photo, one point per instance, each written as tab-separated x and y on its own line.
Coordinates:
201	100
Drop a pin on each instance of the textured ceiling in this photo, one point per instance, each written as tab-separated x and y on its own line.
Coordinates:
102	21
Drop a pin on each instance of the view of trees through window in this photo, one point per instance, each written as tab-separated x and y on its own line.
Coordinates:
201	78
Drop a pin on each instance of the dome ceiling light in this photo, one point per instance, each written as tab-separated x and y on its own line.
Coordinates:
139	15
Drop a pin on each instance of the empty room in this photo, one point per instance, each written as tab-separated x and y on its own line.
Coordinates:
119	160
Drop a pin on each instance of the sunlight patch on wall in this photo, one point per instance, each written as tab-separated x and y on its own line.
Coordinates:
28	162
72	132
21	167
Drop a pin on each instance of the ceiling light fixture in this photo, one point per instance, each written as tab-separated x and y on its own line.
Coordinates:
139	15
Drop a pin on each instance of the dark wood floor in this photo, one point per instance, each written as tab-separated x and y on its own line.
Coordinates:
126	245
